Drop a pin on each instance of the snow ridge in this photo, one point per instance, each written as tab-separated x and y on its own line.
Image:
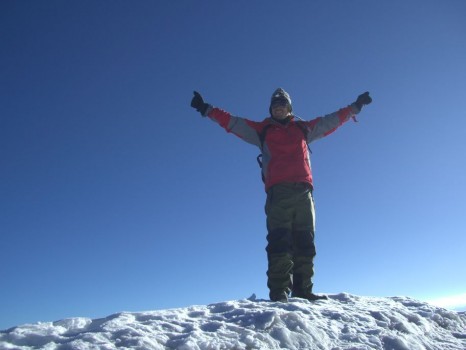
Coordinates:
343	322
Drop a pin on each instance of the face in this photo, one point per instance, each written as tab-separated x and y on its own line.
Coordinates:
280	109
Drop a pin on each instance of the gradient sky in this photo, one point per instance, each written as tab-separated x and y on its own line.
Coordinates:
115	195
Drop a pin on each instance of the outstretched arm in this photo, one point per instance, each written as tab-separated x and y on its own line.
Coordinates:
241	127
323	126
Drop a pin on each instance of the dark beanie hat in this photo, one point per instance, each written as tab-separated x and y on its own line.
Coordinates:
280	95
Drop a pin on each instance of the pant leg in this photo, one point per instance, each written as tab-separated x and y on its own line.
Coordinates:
279	210
304	250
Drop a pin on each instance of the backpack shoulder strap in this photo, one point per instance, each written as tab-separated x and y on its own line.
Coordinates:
303	127
263	133
305	130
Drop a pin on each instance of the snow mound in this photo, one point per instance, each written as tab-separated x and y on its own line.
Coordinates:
343	321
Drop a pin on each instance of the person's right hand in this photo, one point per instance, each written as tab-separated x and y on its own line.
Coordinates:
198	103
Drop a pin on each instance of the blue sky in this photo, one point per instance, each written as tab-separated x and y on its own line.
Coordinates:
116	196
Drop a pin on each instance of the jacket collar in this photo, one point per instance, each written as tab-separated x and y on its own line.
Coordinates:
283	122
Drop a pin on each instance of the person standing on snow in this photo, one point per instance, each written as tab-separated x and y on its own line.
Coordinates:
283	139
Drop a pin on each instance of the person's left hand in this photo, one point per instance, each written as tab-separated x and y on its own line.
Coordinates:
362	100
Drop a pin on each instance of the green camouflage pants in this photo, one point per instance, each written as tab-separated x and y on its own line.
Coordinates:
290	248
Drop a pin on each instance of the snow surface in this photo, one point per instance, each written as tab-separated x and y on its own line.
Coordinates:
343	322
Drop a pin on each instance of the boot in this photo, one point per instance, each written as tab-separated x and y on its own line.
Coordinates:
302	288
308	296
281	297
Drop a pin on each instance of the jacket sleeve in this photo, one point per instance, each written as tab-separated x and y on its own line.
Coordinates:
245	129
323	126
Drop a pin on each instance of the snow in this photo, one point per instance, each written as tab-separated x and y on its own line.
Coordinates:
344	321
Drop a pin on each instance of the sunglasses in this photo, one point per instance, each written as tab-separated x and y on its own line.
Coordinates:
279	102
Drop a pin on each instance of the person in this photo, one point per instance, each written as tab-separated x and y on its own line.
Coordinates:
283	139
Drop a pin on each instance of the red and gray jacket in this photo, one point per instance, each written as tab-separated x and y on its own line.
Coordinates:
285	155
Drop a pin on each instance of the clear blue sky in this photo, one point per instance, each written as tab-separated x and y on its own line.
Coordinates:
115	195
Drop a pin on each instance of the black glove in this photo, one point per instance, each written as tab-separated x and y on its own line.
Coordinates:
198	103
362	100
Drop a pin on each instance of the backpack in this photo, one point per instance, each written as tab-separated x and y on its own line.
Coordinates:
262	135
